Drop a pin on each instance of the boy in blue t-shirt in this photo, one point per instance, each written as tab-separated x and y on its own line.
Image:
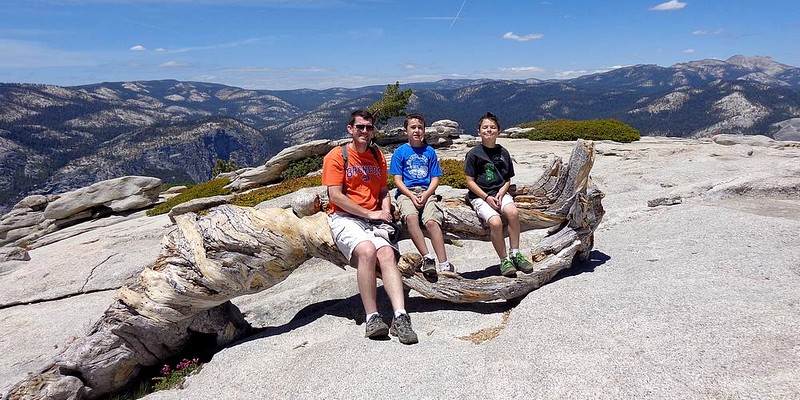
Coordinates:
416	171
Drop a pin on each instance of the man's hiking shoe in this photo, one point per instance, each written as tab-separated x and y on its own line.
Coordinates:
507	268
401	327
428	266
376	327
521	263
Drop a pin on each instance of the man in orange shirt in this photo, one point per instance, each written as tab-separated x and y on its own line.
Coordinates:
359	203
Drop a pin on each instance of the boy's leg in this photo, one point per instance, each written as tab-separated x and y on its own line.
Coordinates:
410	216
433	217
496	233
495	221
512	216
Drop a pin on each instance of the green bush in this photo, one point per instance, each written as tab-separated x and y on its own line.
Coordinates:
213	187
453	173
300	168
254	197
568	130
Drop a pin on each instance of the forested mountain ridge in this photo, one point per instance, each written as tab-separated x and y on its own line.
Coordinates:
55	138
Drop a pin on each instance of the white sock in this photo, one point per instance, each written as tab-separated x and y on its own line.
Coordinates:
400	312
514	252
430	256
370	315
443	265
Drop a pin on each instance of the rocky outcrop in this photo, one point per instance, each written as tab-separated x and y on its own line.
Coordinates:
36	216
270	172
440	133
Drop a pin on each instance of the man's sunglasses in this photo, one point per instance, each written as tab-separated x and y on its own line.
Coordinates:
362	127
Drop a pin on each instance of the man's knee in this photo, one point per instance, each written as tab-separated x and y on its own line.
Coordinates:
365	250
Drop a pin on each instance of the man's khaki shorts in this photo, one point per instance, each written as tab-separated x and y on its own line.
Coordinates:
348	232
431	211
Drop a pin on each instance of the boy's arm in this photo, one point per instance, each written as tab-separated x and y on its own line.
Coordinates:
503	190
474	188
430	191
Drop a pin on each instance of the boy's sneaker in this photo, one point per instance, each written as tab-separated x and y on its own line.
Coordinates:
401	327
448	269
376	327
507	268
521	263
428	265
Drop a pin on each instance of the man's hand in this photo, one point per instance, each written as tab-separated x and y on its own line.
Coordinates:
378	215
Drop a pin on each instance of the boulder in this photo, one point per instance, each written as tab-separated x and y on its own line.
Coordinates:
272	169
119	194
14	253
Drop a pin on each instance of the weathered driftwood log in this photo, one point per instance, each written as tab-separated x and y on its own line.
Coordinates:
233	251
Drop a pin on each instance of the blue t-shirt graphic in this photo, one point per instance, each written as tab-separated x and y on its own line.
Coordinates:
417	165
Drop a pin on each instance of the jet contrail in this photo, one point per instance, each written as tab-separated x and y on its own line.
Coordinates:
458	13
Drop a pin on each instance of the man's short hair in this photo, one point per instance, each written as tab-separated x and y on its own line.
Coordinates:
363	114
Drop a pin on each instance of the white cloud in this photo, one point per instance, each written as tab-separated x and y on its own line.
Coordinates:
173	64
704	32
671	5
137	48
217	46
160	50
570	74
689	51
525	38
522	70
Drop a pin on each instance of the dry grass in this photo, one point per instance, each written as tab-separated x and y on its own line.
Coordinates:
486	334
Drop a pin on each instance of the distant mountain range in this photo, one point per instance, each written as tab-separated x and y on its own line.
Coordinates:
54	139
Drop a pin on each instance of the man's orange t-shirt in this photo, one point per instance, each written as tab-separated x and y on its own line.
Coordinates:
363	181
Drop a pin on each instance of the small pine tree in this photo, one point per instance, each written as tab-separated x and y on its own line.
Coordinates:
221	166
392	104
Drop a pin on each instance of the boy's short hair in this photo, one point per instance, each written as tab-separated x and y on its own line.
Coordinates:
411	116
491	117
363	114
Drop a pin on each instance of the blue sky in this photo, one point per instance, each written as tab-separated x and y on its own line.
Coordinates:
288	44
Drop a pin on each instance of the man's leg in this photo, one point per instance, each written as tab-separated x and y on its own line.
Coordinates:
390	275
364	259
393	284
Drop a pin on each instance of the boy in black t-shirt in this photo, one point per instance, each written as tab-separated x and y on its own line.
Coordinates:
489	171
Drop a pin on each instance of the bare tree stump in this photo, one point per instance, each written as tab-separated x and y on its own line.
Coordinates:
233	251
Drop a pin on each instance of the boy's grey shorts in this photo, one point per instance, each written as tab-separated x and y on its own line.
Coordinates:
431	211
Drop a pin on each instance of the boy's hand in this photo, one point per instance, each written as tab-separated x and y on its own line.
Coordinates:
493	202
418	200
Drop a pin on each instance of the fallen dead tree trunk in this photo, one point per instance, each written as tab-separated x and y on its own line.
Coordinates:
234	251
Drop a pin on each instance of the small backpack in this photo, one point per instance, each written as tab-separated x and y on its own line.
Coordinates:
373	149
